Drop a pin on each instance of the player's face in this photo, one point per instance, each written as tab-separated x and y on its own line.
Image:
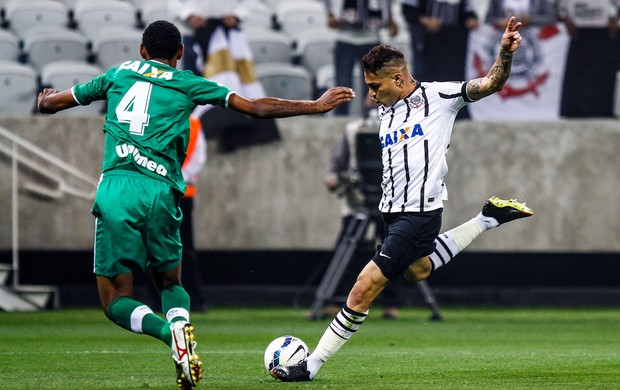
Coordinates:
382	87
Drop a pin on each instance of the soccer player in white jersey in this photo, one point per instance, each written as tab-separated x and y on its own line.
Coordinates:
416	123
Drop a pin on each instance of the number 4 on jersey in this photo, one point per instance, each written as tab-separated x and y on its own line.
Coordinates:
133	107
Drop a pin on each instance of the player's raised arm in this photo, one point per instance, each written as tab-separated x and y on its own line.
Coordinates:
51	101
270	107
498	74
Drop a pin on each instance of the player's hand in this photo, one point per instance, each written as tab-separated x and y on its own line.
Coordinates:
333	97
42	95
511	40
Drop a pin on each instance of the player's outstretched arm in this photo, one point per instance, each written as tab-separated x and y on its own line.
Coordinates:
498	74
51	101
269	107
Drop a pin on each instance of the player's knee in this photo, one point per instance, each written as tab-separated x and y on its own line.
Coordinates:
419	270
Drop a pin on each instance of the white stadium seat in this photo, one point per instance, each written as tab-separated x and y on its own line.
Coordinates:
285	81
294	17
63	75
49	45
91	17
9	46
315	48
269	46
117	45
18	83
23	15
155	10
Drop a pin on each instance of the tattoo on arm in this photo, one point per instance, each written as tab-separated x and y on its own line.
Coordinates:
494	80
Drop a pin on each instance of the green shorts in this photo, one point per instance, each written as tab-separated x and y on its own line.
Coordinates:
137	224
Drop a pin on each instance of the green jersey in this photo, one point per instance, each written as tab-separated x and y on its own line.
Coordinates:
147	120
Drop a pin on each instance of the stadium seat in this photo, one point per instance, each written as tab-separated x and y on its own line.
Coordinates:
259	15
315	48
325	77
151	11
269	46
117	45
19	88
294	17
63	75
286	81
9	46
91	17
47	45
23	15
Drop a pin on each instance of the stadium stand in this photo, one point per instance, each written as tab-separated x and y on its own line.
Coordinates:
315	48
19	84
151	11
91	17
269	46
48	45
285	81
260	15
9	46
294	17
116	45
19	16
62	75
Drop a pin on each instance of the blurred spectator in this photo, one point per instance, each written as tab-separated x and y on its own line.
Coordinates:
593	57
528	12
358	24
439	34
217	48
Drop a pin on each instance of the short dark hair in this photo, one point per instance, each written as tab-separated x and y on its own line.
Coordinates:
161	39
380	56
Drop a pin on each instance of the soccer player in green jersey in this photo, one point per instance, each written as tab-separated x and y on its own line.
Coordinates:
137	203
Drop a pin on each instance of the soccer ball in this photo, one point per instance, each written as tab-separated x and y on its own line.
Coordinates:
285	351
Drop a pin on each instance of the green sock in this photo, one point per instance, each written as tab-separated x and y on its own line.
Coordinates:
175	303
138	318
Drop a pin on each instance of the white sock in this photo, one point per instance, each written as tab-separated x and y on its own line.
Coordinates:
450	243
339	331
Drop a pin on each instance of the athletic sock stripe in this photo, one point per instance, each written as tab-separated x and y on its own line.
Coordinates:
336	333
353	312
351	320
445	246
439	256
343	326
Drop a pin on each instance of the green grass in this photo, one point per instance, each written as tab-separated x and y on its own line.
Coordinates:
472	349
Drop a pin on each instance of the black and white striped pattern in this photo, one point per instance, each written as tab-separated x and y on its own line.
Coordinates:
445	250
415	136
346	323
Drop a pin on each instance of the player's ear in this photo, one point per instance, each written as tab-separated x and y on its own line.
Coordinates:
398	79
180	52
143	53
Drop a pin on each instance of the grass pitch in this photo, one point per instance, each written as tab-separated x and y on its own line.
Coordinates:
472	348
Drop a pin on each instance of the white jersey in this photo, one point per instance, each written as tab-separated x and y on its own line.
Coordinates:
415	137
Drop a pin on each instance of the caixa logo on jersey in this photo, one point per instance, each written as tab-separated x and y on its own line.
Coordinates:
396	136
528	74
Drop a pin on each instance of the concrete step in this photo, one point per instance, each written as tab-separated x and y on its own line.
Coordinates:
28	298
45	297
5	272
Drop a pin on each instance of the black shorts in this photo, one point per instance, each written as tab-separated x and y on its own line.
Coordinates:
409	236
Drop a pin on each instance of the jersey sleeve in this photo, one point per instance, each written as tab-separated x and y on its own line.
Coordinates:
453	94
209	92
91	91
